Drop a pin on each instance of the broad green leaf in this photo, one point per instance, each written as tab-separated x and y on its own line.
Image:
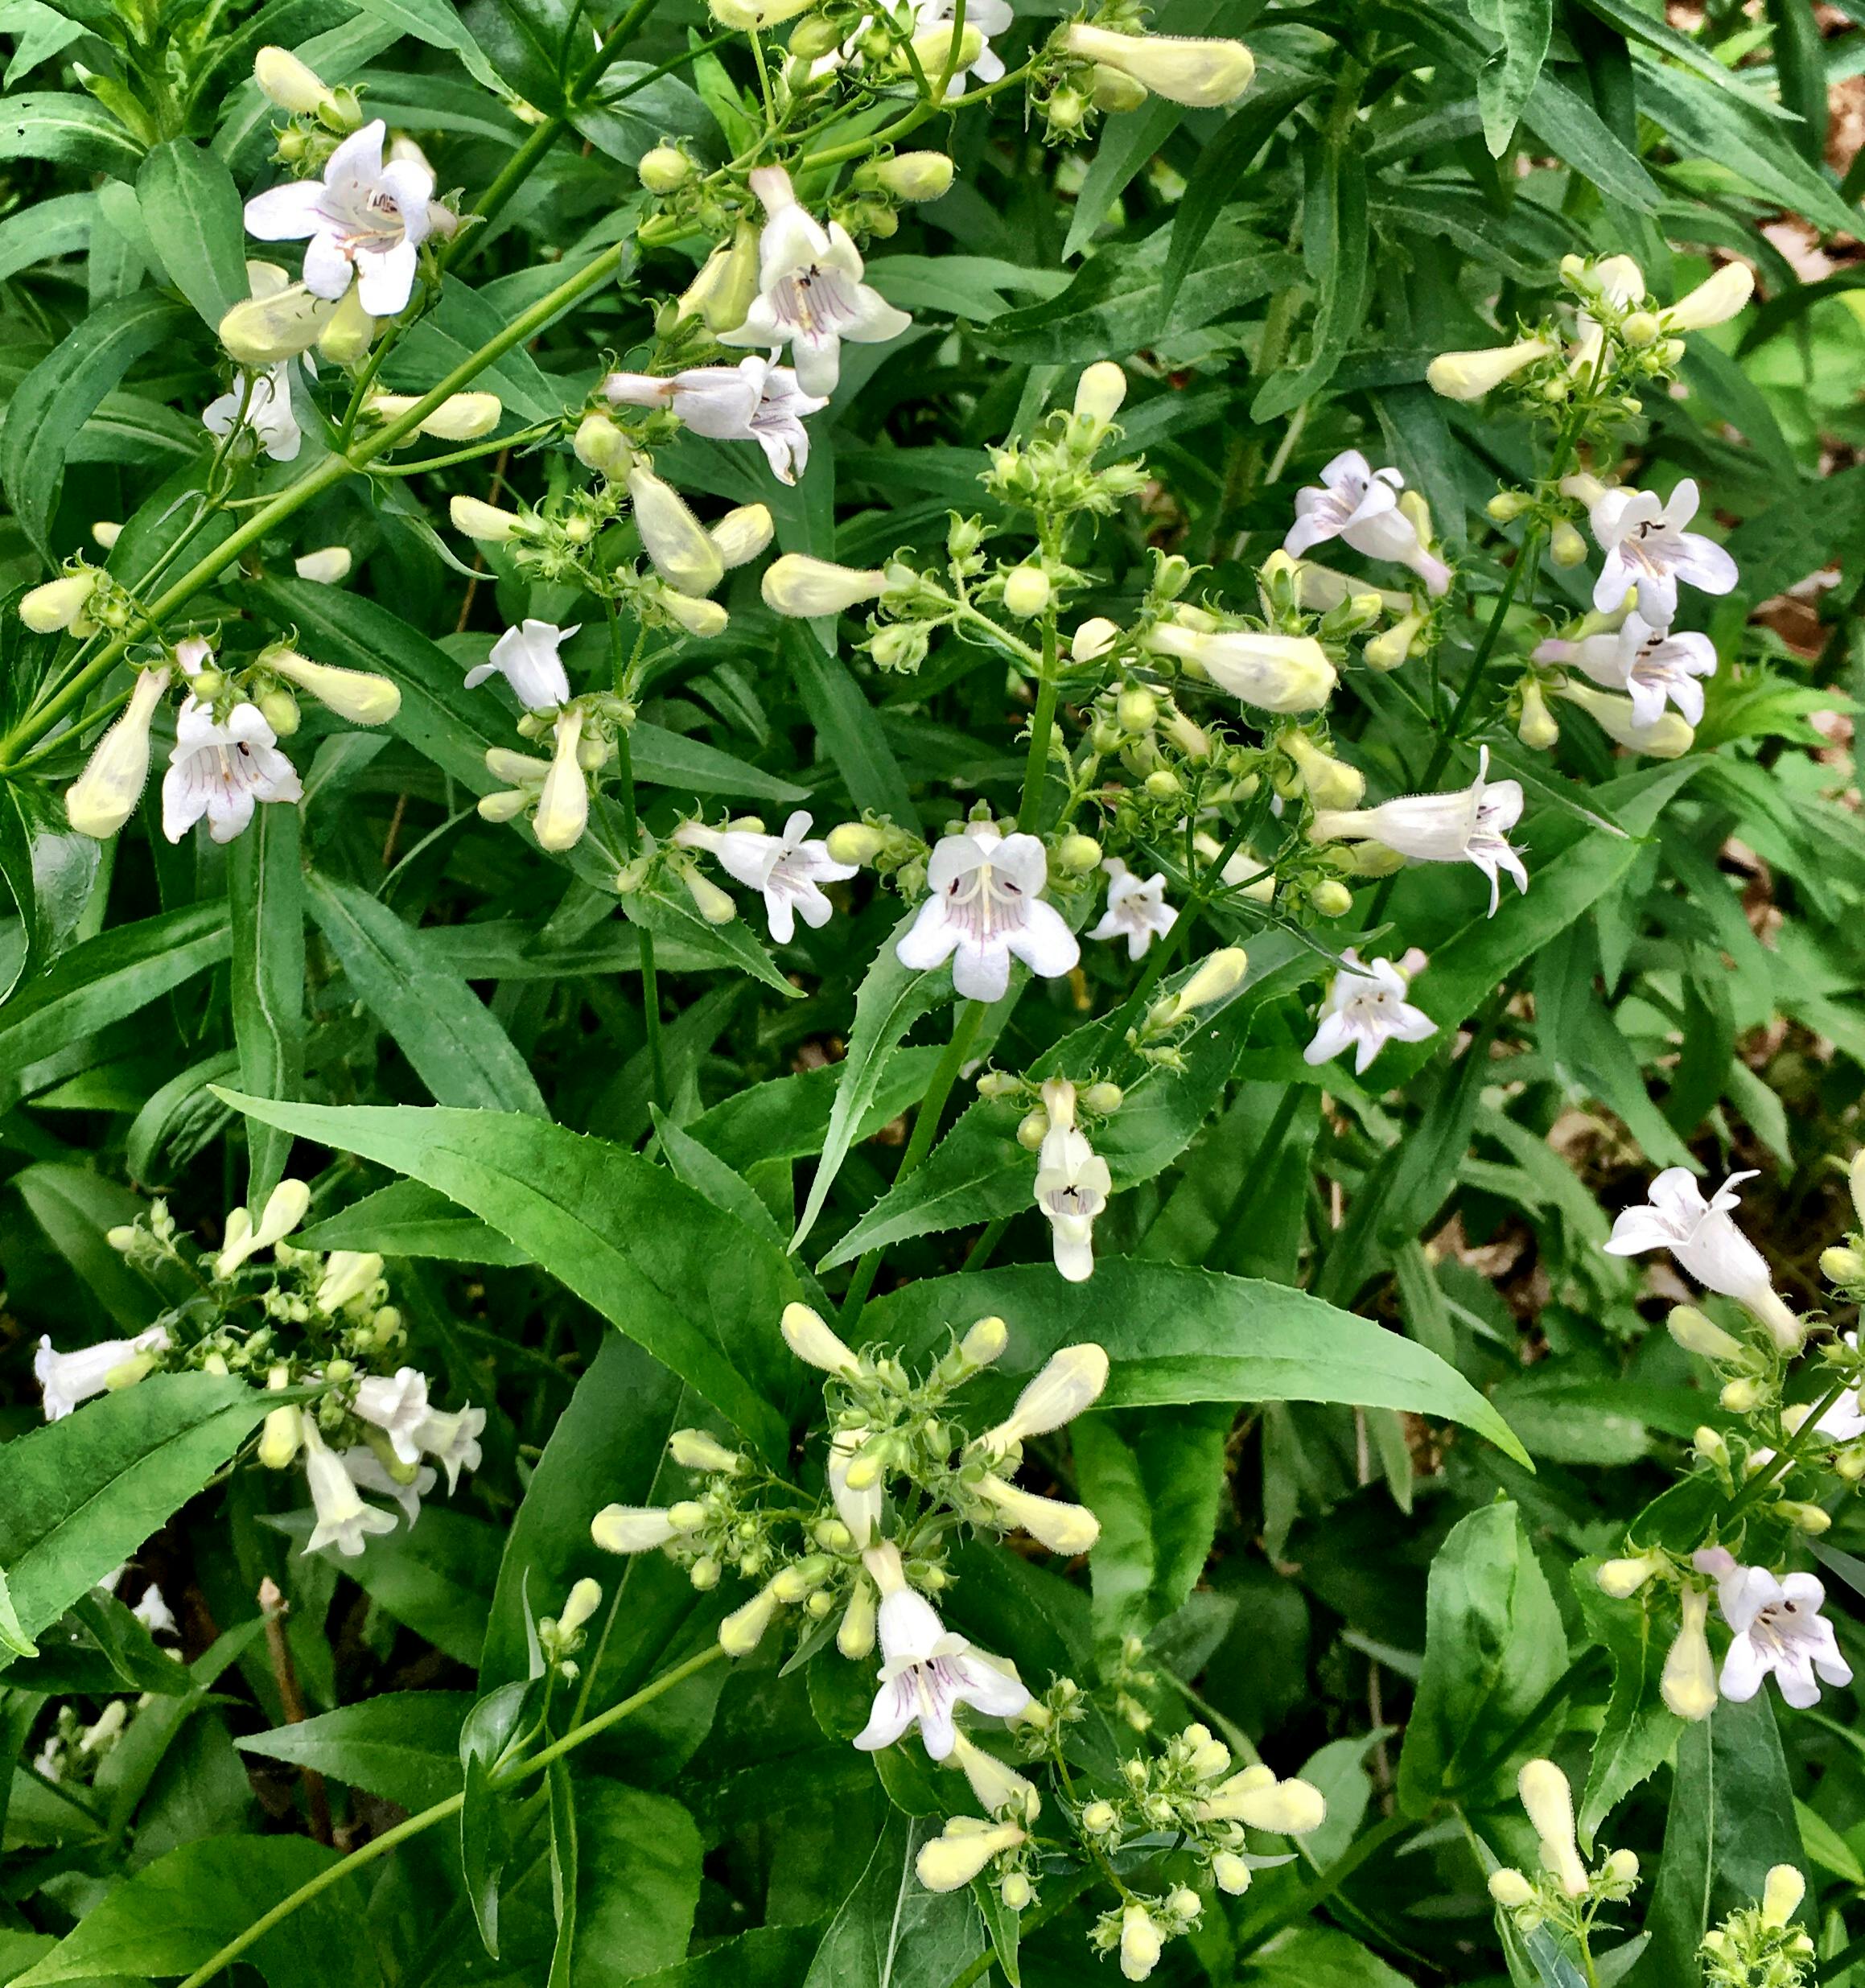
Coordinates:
661	1264
69	130
62	392
1318	1956
14	1640
1217	177
77	1209
82	1494
46	230
440	27
787	1117
1640	1730
638	1882
892	1932
449	1035
1507	80
265	905
1175	1334
435	1576
192	210
1493	1647
406	1218
846	725
51	869
403	1746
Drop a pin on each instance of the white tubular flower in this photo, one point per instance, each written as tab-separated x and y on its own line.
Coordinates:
367	1473
103	797
986	904
1100	394
563	800
358	695
1667	736
810	1338
459	417
754	400
790	870
927	1672
1140	1942
703	618
1650	665
1647	547
327	566
1070	1381
275	323
222	772
948	1861
1001	1791
1621	282
694	1449
1067	1530
1200	73
743	1629
1778	1627
364	218
1359	505
66	1379
1713	302
1688	1682
1286	673
1549	1802
632	1528
58	607
683	554
1254	1795
396	1406
1469	376
742	534
286	1206
292	85
263	405
453	1440
811	295
1781	1894
485	522
1366	1008
1707	1243
1136	911
1072	1185
802	588
527	658
1469	825
859	1510
343	1519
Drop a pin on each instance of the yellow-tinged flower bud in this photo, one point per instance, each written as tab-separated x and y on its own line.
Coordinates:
1102	1098
712	904
279	1439
1536	727
1064	1528
1468	375
1810	1519
1622	1578
809	1337
949	1862
485	522
1549	1802
459	417
1781	1894
1016	1891
985	1342
1622	1866
1330	783
802	588
279	709
1077	855
743	1629
741	535
106	533
1509	1888
585	1599
290	84
1391	646
1217	976
1195	72
631	1528
1331	898
1697	1333
665	169
1099	393
1026	592
1713	302
855	842
348	333
362	698
682	552
327	566
1032	1129
563	801
60	605
1140	1942
1114	92
1098	1817
703	618
1506	506
1094	638
1841	1264
694	1449
1566	546
915	176
1738	1398
1688	1684
1231	1875
722	293
103	797
601	446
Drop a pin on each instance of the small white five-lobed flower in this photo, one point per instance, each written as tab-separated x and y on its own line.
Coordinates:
1136	911
755	401
1650	665
1360	505
1366	1008
1648	548
1777	1627
222	772
790	870
985	905
1707	1244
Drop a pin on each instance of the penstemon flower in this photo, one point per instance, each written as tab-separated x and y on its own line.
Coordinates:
527	658
1648	549
1366	1008
1651	665
66	1379
1136	911
754	400
1359	505
1778	1627
222	772
263	405
1707	1244
343	1521
103	797
985	905
1072	1183
789	868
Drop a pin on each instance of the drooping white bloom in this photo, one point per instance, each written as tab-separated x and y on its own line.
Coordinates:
453	1440
754	400
789	868
527	658
811	295
1469	825
1647	547
103	797
1714	300
266	403
66	1379
563	800
222	772
1668	736
1621	282
363	218
367	1473
1064	1528
1070	1381
1649	664
1288	674
1549	1799
986	904
1136	911
397	1406
1778	1627
1707	1244
1182	68
1688	1682
927	1672
1359	505
1072	1183
343	1519
1140	1942
1366	1008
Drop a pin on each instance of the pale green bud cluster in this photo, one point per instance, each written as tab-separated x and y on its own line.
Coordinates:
1760	1946
1565	1894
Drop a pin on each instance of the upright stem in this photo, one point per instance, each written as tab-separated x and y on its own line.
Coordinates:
1042	728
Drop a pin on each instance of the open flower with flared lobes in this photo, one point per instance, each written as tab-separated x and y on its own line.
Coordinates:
343	1519
1072	1183
1650	665
1359	505
1137	910
263	404
1647	546
811	295
1366	1008
368	1473
986	904
789	868
1070	1381
397	1406
754	400
1707	1243
364	218
66	1379
451	1439
1287	673
527	658
222	772
927	1672
1469	825
103	797
1778	1627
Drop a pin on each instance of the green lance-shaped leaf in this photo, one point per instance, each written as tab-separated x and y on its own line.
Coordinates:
265	897
1507	80
192	210
403	1746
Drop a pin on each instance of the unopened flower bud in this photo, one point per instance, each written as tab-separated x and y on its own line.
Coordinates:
949	1862
1094	638
1810	1519
1550	1802
279	1440
985	1342
485	522
694	1449
1536	727
358	695
327	566
1331	898
742	534
855	843
1622	1866
60	605
1640	328
1842	1264
1566	546
810	1339
803	588
1738	1398
915	176
665	169
712	904
1622	1578
1468	375
346	334
1033	1130
743	1629
1195	72
1077	854
1509	1888
103	797
106	533
290	84
722	293
1099	393
279	709
1506	506
1688	1684
1026	592
1391	646
1137	709
1781	1894
1216	978
1697	1333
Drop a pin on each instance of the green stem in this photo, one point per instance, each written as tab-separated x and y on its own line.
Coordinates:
1057	1899
1042	728
379	1846
1258	1172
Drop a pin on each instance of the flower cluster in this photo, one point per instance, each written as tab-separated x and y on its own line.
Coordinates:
318	1326
1565	1894
1760	1946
